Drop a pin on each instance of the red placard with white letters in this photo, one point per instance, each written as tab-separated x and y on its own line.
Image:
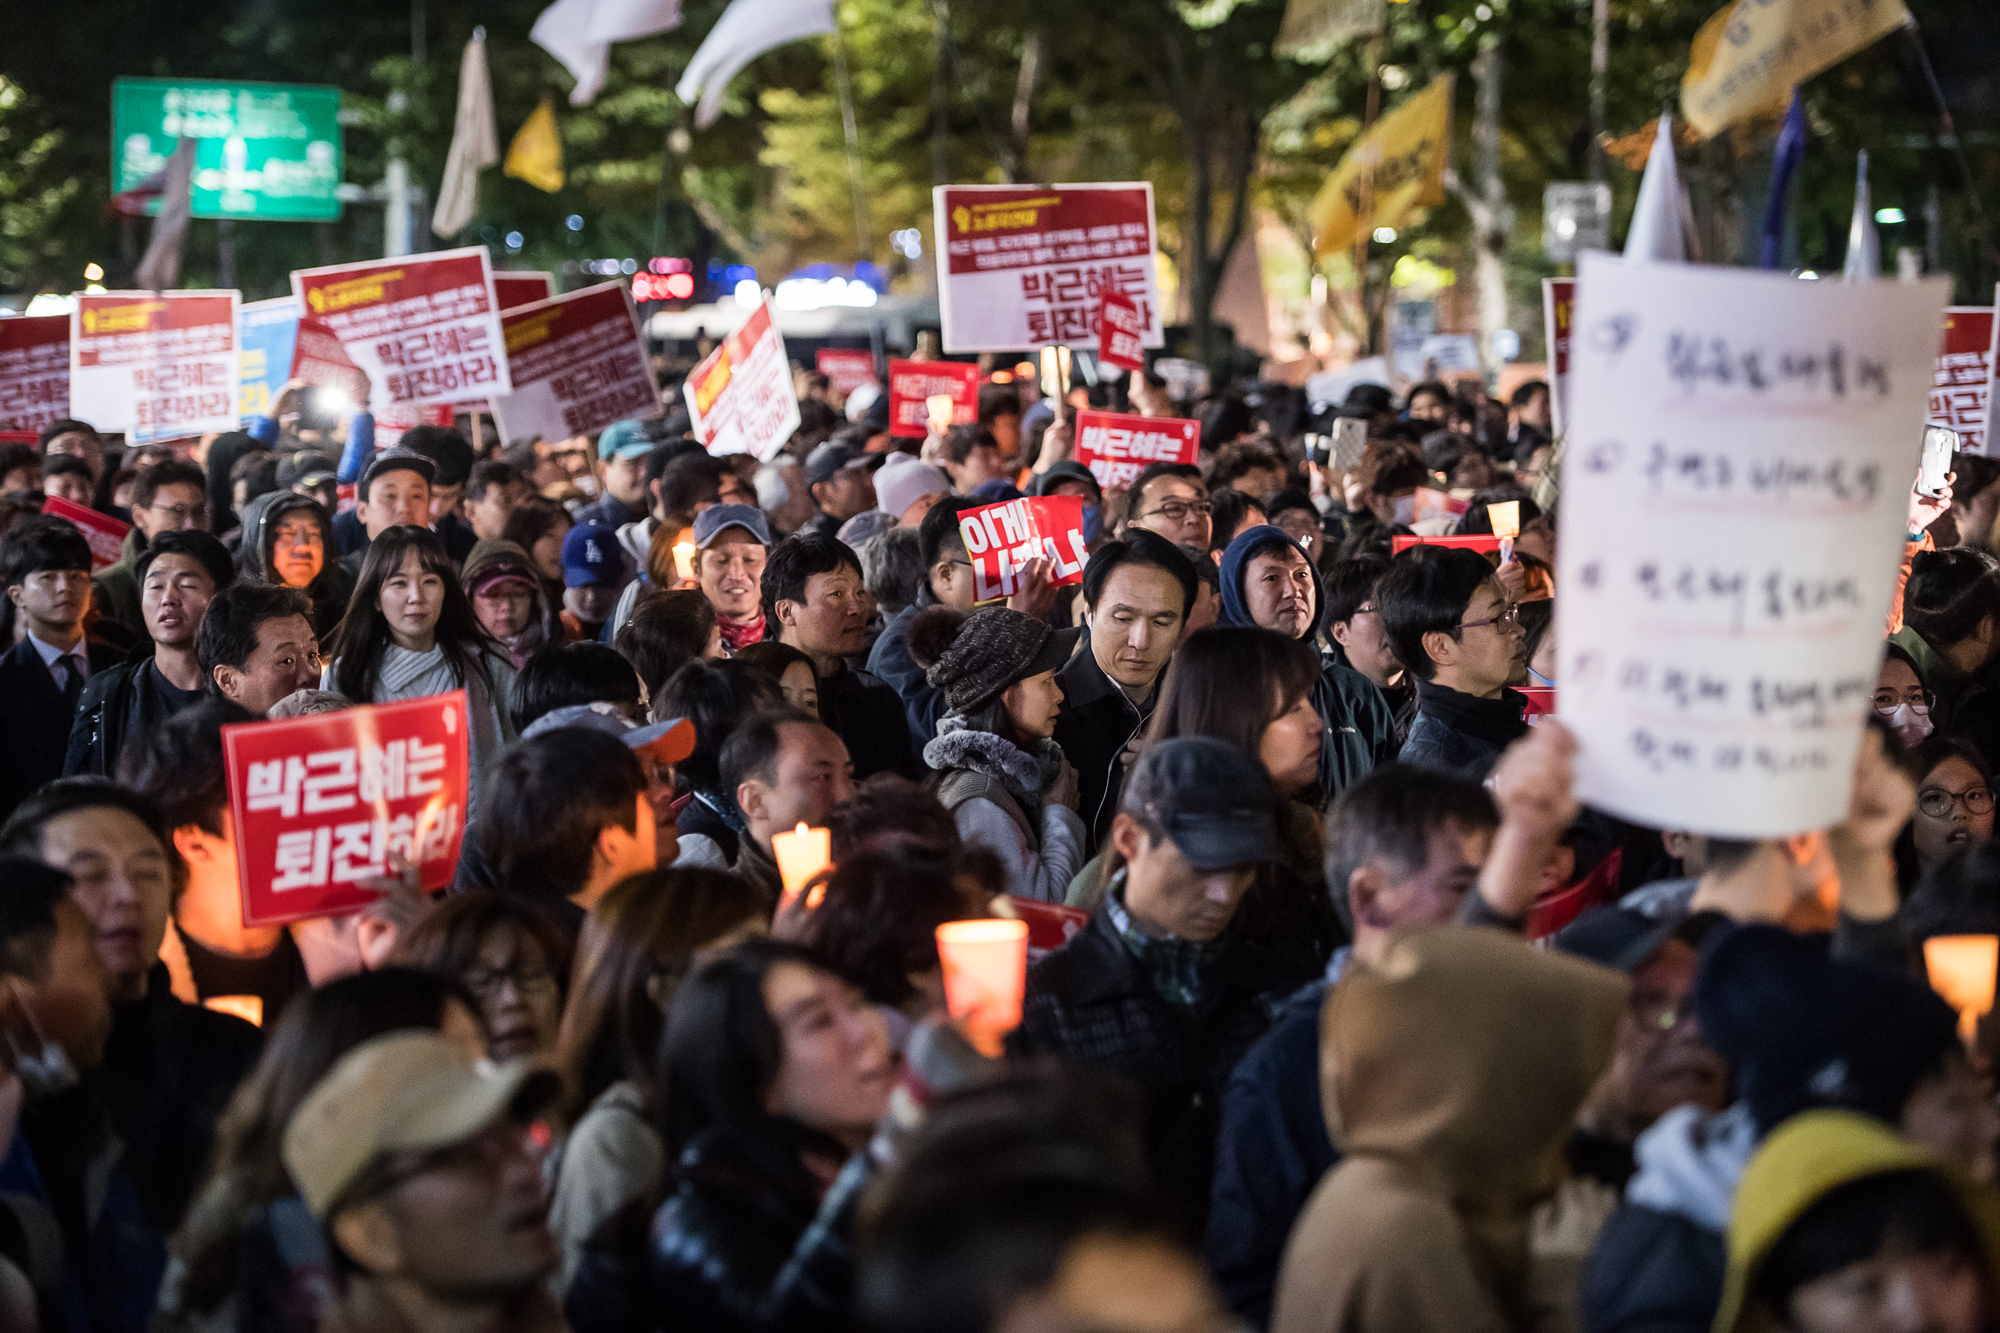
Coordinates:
912	384
105	534
1121	332
1962	376
846	368
318	803
1002	538
34	371
1118	446
423	328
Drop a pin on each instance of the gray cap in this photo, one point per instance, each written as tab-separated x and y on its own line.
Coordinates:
710	522
1212	800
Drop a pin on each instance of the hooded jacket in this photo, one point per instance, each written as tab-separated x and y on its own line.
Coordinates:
543	627
1804	1160
1451	1072
1358	730
328	591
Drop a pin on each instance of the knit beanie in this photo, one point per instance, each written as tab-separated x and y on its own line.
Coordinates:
971	658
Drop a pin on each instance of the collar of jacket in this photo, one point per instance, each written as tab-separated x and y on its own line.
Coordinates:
1495	721
1023	774
1104	968
1085	685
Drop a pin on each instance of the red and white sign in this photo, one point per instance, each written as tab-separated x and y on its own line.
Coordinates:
741	397
318	803
1121	333
105	534
423	328
1002	538
1558	302
1117	446
1027	266
578	364
515	289
318	358
155	365
912	384
1483	542
34	371
846	368
1961	380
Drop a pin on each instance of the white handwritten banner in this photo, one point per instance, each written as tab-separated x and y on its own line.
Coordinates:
1742	450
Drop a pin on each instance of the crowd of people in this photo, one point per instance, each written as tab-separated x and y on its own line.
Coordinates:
1358	1020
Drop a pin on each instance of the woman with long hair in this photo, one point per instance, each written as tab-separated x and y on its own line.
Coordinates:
409	632
250	1258
641	941
998	768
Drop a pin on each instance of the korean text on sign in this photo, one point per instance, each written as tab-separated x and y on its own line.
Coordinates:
105	534
1741	452
1117	446
578	364
1121	332
1022	267
741	398
155	365
423	328
845	368
34	371
1962	377
321	803
1002	538
912	384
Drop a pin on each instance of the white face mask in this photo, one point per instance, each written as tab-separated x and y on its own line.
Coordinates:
45	1072
1912	722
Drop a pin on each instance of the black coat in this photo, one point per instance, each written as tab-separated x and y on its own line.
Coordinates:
868	716
1097	721
890	661
1090	1002
116	706
35	720
1652	1272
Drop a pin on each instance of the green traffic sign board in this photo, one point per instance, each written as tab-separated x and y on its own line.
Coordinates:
266	151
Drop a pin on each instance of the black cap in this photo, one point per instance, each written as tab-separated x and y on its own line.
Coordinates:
306	465
397	460
1615	937
832	457
1211	799
1045	483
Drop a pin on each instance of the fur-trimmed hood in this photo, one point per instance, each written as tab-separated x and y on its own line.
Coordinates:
1026	775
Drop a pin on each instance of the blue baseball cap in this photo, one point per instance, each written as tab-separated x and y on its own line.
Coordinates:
590	554
710	522
624	439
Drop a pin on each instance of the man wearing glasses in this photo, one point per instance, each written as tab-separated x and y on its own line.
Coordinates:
1169	498
171	496
1450	623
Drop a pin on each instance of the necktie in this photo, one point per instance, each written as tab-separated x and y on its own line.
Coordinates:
73	679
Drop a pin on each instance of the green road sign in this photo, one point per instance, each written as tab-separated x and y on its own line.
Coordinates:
262	150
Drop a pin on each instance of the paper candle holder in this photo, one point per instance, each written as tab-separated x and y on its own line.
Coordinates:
684	561
800	855
939	407
1962	969
985	974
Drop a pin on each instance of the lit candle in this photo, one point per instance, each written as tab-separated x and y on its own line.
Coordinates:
684	561
985	973
939	405
801	854
1962	970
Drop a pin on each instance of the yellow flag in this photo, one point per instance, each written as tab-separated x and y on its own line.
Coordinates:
535	156
1747	58
1408	150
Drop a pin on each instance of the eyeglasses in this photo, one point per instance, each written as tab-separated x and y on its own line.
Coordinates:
1937	802
1888	700
1508	619
486	982
1176	511
181	513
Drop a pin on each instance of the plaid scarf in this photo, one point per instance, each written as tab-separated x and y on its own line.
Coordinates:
1174	966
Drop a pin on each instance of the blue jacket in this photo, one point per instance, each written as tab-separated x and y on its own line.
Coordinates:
1359	731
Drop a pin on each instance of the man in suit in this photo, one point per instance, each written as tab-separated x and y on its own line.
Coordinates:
45	563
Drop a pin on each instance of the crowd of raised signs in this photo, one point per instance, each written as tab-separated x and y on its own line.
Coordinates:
1341	1013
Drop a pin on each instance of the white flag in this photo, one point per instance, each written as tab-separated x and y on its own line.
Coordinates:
475	144
579	34
746	30
1864	249
1655	233
160	269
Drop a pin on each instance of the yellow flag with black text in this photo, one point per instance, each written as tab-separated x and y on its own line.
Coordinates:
1390	173
535	156
1747	59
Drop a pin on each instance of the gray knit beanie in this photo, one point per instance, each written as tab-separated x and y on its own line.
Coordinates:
971	658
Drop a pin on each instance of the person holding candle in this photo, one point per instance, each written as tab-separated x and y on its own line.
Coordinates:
1000	772
785	769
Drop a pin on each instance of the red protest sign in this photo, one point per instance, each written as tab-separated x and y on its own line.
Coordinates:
318	803
519	289
34	371
423	328
1002	538
105	534
318	358
1485	542
1028	265
1962	377
578	364
741	397
1558	304
1117	446
913	383
155	365
1121	332
846	368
